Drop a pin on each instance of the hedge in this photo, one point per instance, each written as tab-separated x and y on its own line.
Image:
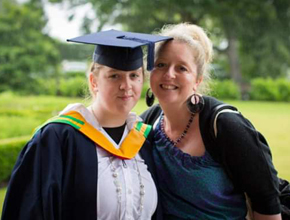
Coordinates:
70	87
225	89
261	89
270	89
9	151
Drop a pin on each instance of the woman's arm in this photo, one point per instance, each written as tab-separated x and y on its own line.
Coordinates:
258	216
247	159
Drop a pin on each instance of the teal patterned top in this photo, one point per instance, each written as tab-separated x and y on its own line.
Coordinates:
194	187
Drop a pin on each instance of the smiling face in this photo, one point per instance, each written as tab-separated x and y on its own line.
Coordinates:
174	77
117	92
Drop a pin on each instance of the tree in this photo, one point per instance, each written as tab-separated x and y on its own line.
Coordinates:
268	42
25	52
73	52
252	30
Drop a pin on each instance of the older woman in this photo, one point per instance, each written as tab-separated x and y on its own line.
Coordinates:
197	180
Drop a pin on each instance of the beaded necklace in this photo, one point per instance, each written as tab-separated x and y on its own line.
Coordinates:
182	134
119	187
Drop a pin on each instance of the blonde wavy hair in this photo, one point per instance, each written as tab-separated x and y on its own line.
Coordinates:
202	49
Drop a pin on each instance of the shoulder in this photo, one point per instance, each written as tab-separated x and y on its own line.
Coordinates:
234	123
225	114
206	115
210	105
48	140
59	140
56	134
55	129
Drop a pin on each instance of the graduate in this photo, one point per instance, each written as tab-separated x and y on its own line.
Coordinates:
88	162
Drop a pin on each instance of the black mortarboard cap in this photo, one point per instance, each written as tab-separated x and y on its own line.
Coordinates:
121	50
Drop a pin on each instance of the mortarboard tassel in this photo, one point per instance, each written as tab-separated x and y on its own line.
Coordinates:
150	56
151	46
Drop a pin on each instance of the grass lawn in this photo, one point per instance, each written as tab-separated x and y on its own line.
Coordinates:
2	195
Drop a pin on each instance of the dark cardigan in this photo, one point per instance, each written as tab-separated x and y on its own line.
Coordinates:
241	150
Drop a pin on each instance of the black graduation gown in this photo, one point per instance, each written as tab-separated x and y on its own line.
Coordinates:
55	177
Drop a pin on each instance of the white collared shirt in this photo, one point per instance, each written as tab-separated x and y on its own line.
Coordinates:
108	207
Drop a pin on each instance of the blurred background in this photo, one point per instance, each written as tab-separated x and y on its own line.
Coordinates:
40	73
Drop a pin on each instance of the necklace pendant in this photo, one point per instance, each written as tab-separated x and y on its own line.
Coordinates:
142	192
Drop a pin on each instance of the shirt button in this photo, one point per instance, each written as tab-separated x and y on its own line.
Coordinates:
129	191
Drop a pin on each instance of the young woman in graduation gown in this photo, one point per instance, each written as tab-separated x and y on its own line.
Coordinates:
88	162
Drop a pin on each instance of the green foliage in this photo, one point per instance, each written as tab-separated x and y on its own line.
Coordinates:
259	30
74	74
226	89
270	89
17	126
268	41
2	196
9	151
147	15
72	84
25	52
261	89
74	87
70	51
283	89
46	87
